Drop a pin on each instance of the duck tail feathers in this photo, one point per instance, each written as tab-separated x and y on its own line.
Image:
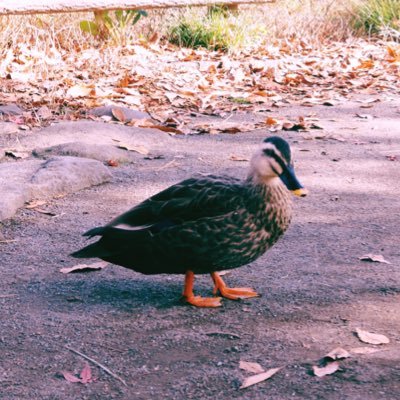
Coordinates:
99	231
94	250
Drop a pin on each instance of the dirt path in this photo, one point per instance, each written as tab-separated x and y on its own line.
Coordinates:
315	291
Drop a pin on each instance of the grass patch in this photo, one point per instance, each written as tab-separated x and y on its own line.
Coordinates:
217	30
377	16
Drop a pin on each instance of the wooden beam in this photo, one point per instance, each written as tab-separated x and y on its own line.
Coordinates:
13	7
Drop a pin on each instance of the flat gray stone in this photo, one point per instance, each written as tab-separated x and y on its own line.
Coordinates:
14	185
98	133
101	152
11	109
68	175
8	128
25	180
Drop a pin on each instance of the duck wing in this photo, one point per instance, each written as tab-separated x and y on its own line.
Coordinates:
185	203
188	200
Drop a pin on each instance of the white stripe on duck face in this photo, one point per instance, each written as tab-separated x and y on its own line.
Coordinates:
264	165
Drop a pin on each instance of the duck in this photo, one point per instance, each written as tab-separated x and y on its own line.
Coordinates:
205	224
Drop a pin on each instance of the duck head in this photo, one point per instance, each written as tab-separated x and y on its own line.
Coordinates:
272	162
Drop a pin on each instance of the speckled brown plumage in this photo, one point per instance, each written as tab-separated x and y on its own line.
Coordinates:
204	224
207	224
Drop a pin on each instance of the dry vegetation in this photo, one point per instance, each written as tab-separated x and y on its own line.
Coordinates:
49	60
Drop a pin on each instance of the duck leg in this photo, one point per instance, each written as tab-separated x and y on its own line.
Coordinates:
197	301
231	293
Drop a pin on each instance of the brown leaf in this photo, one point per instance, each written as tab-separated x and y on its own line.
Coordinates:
271	121
70	377
364	116
234	157
375	258
137	148
84	267
371	338
81	91
254	379
119	114
45	212
112	163
337	354
167	129
251	367
86	374
34	203
124	81
44	112
392	158
328	369
366	64
364	350
289	126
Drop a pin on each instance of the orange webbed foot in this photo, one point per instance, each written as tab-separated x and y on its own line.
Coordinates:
231	293
199	301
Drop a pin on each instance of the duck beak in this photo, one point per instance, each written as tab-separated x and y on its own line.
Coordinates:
288	177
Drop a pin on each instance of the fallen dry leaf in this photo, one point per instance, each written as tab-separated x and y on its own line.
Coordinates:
364	116
86	374
112	163
254	379
270	121
375	258
81	91
364	350
84	267
45	212
44	112
84	377
328	369
234	157
136	148
70	377
337	354
34	203
371	338
168	129
251	367
119	114
391	158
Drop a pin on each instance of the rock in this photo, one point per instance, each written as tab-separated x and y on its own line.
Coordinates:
8	128
68	175
14	185
101	152
100	133
129	113
11	109
24	180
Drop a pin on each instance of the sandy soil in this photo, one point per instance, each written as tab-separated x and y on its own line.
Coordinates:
315	291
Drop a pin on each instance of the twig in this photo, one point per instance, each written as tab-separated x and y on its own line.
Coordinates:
104	368
6	296
8	241
228	335
170	164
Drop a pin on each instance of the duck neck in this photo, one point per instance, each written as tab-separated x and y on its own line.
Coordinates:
272	188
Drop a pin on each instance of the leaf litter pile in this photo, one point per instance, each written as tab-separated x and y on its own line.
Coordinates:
175	85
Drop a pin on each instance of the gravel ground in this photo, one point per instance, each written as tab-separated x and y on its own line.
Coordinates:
314	290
